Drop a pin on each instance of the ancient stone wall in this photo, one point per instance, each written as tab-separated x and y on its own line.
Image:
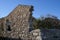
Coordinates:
18	23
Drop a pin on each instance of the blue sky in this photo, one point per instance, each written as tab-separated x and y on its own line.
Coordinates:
41	7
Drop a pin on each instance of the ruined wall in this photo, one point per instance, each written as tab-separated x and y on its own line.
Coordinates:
18	22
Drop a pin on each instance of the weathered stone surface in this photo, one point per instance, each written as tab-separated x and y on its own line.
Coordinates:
36	34
17	24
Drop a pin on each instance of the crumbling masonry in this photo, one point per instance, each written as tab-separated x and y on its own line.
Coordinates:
18	24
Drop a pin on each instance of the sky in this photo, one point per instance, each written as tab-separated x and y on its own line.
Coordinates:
41	7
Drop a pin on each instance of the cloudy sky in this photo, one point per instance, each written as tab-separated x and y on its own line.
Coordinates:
41	7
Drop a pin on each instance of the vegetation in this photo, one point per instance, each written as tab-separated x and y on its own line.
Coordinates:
50	22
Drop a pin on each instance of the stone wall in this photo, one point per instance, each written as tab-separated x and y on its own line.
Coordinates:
18	23
45	34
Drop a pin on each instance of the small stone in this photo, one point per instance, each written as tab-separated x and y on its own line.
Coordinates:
35	34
